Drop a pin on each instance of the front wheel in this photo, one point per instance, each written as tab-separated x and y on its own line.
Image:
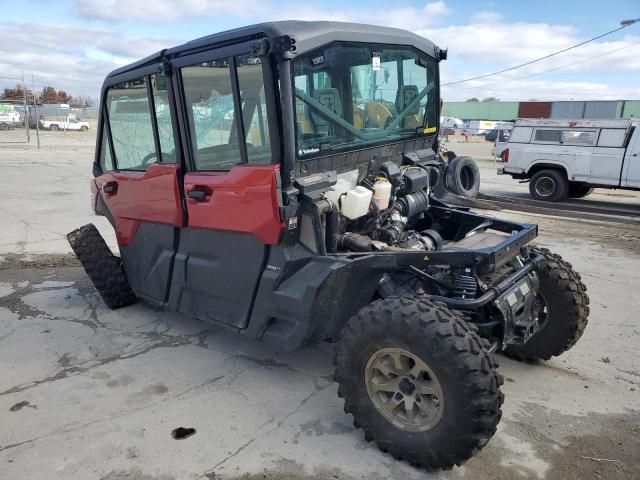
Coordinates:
419	382
562	307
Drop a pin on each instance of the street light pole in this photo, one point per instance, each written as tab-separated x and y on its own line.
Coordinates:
631	21
26	109
35	111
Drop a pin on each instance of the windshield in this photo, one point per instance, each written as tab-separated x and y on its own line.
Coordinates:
354	95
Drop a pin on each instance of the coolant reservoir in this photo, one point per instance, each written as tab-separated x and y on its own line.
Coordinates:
345	182
356	203
382	193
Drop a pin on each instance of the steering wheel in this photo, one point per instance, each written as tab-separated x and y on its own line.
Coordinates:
146	161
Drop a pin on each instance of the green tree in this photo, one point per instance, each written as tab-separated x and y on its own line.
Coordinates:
472	99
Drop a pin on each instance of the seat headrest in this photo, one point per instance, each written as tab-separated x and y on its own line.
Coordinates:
407	94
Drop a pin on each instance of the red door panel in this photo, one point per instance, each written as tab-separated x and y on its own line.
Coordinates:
135	197
243	200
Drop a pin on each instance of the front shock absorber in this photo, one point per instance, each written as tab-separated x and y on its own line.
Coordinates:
465	285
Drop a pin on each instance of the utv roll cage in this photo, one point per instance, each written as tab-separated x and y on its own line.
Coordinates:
280	42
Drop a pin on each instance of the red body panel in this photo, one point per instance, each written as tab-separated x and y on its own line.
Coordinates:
150	196
244	199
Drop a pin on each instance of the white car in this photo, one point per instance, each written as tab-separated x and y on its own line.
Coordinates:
563	158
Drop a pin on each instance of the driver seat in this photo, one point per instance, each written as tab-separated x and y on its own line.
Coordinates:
330	99
405	95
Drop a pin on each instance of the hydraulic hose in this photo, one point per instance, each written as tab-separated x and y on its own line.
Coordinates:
332	225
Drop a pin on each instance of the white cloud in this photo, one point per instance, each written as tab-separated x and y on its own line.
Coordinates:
489	42
408	17
69	58
486	17
543	90
163	10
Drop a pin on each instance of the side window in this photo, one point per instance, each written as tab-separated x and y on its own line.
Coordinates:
131	125
612	137
579	137
106	161
210	108
254	109
548	136
163	117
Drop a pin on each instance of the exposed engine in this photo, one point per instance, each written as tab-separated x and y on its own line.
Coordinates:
384	213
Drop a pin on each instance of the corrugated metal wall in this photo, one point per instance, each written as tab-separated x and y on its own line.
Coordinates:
509	111
481	110
630	108
534	109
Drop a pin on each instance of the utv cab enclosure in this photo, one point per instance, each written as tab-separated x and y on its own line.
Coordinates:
282	180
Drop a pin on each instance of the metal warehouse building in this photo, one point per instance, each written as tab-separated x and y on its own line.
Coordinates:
509	111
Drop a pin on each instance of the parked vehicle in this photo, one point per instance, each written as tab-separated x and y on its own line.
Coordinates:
501	141
300	221
70	122
563	158
482	127
9	119
451	122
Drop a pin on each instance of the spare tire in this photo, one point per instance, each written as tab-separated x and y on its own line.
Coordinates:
463	177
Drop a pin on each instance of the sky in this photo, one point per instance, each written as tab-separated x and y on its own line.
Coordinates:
73	44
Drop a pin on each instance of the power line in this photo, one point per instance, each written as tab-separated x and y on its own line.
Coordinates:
550	69
537	59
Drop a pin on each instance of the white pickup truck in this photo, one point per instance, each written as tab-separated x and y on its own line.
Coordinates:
69	122
563	158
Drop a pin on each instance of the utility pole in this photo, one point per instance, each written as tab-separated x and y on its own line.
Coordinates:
26	108
35	111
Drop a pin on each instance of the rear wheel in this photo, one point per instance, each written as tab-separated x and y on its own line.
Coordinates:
54	128
419	382
84	128
549	185
4	126
103	267
563	311
579	190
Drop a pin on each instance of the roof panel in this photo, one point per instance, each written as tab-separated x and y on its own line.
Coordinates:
308	35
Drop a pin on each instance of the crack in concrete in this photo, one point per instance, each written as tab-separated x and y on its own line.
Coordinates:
171	341
110	418
242	447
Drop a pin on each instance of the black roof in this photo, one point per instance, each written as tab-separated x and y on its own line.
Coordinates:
307	35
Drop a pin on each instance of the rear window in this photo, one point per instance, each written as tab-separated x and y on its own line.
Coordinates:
521	135
504	135
548	136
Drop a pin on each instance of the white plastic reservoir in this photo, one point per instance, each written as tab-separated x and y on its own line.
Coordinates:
346	181
382	193
356	203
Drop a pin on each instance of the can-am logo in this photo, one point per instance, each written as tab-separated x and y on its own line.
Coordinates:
317	60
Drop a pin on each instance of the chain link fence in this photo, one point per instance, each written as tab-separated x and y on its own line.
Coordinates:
47	127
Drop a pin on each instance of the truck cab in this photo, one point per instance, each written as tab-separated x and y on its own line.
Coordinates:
564	158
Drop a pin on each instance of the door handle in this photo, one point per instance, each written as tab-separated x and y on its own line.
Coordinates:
200	193
110	188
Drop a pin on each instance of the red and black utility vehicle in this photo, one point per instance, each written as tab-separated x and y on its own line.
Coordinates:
282	179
